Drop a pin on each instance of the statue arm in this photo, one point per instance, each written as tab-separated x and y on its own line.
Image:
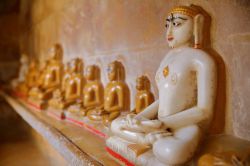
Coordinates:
79	87
121	98
93	102
149	112
58	76
149	99
98	95
203	111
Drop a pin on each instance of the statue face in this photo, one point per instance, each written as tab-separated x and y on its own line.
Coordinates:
32	64
52	53
139	84
90	73
73	66
112	72
24	59
179	30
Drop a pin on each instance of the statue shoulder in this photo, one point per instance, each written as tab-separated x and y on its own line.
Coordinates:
202	56
121	84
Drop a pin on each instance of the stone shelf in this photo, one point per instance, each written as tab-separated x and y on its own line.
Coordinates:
82	147
77	145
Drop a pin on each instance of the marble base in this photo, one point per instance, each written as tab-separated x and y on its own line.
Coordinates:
96	128
119	150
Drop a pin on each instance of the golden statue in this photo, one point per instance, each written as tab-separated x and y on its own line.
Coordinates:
50	77
32	75
144	97
72	84
229	158
116	95
93	91
31	79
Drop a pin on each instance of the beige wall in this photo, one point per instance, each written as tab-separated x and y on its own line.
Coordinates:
133	32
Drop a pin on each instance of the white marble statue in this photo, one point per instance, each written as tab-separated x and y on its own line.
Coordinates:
173	125
24	64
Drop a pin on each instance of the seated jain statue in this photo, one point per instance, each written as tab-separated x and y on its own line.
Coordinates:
93	90
19	83
32	74
92	93
116	95
50	77
169	131
71	89
143	97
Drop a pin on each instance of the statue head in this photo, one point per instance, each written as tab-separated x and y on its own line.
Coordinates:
185	26
92	73
33	64
56	52
142	83
67	67
76	66
43	65
24	59
116	71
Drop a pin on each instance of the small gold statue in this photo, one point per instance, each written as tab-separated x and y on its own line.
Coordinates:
116	95
49	78
30	79
229	158
71	89
32	75
144	97
93	90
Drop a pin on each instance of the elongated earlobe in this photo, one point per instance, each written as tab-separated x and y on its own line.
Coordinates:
198	30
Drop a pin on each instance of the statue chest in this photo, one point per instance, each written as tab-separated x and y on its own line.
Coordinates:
177	85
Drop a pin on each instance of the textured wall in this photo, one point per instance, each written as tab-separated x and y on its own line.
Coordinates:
133	32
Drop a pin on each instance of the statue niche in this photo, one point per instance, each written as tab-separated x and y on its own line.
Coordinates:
169	130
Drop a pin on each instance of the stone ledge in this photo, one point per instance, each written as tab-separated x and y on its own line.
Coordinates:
74	143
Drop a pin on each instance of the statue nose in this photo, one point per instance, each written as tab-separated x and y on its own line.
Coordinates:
170	30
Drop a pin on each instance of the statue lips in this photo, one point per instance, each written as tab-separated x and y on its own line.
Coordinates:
170	38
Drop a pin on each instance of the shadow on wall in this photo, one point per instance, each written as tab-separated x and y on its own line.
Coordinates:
218	123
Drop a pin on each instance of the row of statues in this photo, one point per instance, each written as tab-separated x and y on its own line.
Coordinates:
68	88
166	131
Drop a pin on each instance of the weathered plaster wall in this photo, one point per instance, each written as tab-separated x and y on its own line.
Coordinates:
133	32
